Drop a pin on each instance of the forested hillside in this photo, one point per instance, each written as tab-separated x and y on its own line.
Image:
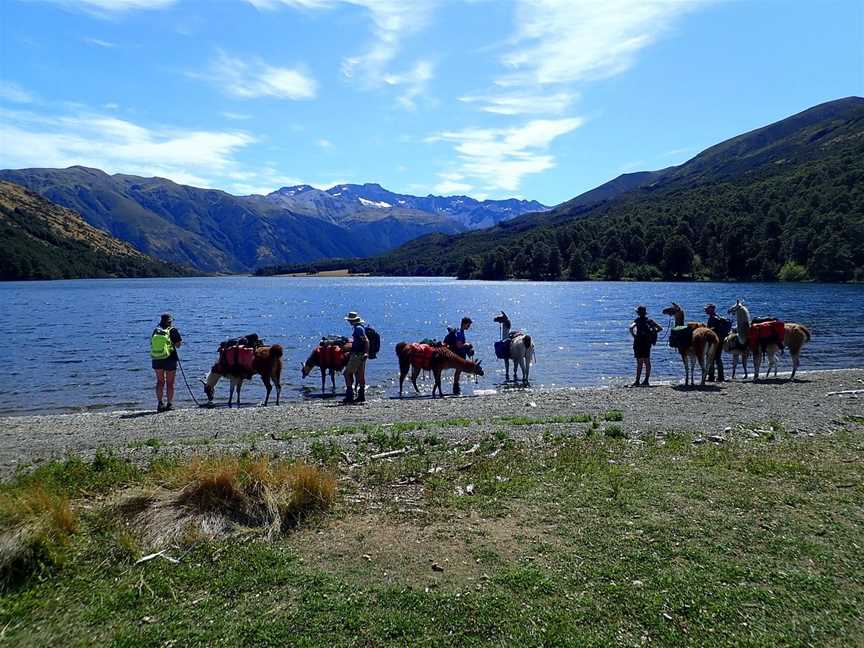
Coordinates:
41	240
785	202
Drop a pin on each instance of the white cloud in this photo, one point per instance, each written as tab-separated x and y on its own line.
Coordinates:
253	79
236	116
118	146
113	6
415	81
523	103
99	42
325	143
111	106
450	185
562	41
11	91
498	158
393	21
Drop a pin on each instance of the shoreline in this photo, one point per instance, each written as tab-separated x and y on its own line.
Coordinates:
802	406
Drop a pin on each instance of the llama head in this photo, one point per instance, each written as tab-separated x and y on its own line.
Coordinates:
478	368
672	310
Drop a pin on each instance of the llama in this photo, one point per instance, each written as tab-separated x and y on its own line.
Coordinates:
704	343
267	363
795	336
521	349
737	349
331	360
418	357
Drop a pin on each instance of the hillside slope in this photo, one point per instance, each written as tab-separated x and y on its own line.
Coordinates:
789	195
41	240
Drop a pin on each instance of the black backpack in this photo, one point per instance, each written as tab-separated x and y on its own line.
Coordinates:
723	328
374	342
450	338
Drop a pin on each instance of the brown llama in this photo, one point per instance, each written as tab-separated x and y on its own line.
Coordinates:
267	363
418	357
704	343
328	362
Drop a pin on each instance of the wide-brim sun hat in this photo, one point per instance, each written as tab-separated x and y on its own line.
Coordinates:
707	306
353	317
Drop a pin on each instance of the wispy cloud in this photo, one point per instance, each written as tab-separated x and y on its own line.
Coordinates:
523	103
195	157
393	21
107	7
414	82
497	159
236	116
12	92
98	42
325	143
561	41
250	79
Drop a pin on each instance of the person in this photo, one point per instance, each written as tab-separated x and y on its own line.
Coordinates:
722	327
356	360
456	342
644	332
164	342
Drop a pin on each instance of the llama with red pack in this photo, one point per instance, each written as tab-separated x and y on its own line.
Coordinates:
240	360
331	355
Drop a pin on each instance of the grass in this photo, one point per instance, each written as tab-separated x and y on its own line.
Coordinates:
569	541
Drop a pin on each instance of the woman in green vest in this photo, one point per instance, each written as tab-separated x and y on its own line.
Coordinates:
163	351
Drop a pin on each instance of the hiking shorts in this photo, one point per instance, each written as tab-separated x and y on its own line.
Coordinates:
356	362
642	348
166	364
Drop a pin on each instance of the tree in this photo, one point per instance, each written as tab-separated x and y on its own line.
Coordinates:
554	266
468	268
677	257
614	268
578	267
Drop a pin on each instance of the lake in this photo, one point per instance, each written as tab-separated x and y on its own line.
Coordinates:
84	345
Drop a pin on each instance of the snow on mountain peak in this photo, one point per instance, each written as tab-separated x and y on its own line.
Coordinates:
373	203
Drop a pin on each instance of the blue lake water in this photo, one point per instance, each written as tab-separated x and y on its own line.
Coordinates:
79	345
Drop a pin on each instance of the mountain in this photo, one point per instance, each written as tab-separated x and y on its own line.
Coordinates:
783	201
41	240
214	231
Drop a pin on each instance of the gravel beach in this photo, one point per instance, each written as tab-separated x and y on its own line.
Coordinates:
806	406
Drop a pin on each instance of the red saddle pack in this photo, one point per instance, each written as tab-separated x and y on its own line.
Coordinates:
237	360
421	355
331	356
765	333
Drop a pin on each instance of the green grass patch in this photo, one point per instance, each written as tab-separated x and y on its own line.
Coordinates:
548	420
569	541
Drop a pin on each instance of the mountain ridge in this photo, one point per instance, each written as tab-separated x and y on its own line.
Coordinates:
215	231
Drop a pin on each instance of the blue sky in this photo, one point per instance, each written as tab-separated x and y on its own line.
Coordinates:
540	99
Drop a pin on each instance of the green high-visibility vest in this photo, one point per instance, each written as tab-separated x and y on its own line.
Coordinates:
161	345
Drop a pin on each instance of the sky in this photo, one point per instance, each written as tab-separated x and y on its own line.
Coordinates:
537	99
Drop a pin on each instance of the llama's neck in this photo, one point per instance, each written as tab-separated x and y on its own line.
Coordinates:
505	330
212	378
743	319
679	318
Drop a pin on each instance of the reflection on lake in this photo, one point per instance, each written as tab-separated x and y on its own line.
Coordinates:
85	344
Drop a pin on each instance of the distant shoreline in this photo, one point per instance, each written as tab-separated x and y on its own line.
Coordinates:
342	272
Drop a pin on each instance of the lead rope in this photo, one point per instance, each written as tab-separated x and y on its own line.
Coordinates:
183	371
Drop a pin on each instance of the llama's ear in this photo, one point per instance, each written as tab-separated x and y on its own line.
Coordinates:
202	382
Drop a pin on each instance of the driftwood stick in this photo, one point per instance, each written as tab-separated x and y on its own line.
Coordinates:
389	453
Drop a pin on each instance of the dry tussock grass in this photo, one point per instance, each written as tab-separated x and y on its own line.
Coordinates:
211	497
34	528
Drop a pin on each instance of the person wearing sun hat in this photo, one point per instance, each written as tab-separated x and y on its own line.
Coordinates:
356	360
644	332
722	327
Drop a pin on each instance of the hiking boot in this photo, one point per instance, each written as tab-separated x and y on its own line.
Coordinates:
645	383
635	383
456	390
349	397
361	395
168	408
160	407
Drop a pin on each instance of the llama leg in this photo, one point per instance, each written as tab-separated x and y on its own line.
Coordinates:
415	371
323	379
507	370
332	380
268	387
703	365
686	370
436	373
527	364
734	363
